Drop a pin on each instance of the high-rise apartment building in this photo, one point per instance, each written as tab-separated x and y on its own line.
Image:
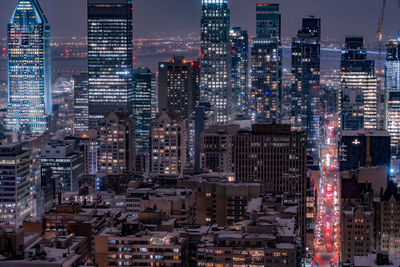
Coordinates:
358	95
117	143
178	86
306	93
15	182
392	96
29	69
168	144
109	58
266	67
81	102
215	64
240	63
144	106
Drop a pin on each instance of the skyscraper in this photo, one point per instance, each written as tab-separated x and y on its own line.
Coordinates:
178	86
29	71
240	63
266	67
358	95
109	57
392	95
144	106
215	65
81	102
15	174
306	107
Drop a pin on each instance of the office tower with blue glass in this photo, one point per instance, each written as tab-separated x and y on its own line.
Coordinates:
144	106
358	93
215	65
266	67
109	58
240	63
29	69
392	95
306	93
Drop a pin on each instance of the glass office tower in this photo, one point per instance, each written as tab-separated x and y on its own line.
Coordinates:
240	62
392	94
109	57
215	70
358	95
144	106
306	93
266	67
29	69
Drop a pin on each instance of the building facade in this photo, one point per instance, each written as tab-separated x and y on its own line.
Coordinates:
178	86
144	106
29	69
65	162
168	144
215	64
266	67
15	187
363	149
116	143
81	102
109	58
392	96
306	93
240	63
217	148
358	95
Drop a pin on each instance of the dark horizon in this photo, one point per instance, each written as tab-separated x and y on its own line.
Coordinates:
339	18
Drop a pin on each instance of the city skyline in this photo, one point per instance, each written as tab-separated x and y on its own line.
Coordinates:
68	18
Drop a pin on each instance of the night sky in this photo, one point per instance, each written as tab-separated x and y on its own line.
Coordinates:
339	17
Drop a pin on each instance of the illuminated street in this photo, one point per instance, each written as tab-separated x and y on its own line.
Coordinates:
328	215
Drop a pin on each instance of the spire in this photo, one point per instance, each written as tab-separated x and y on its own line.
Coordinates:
28	12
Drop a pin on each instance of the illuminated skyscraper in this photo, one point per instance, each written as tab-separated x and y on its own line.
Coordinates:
81	102
144	106
266	67
29	71
358	95
392	93
306	94
109	58
240	62
178	86
215	72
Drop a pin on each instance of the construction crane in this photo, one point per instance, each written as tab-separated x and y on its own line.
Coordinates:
379	32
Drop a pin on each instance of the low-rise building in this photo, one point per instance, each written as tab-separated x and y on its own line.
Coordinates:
141	249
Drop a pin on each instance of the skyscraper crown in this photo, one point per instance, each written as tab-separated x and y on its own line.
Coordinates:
27	13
